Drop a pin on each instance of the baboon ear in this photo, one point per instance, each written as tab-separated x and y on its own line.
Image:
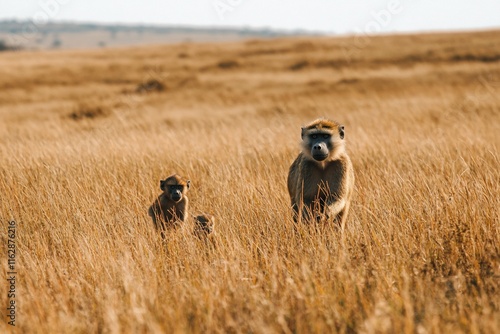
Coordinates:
302	132
341	132
188	183
162	185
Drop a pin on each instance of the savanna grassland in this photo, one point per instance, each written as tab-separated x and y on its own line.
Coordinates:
85	137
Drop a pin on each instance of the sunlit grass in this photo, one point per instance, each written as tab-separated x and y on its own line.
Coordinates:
421	251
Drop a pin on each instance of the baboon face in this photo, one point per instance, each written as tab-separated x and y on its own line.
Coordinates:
321	138
175	187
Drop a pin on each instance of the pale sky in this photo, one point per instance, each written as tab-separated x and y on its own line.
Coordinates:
331	16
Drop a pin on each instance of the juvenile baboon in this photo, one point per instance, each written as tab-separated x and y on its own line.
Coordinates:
172	205
321	179
204	226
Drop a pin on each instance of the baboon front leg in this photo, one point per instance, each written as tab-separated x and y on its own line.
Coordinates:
181	211
334	210
295	212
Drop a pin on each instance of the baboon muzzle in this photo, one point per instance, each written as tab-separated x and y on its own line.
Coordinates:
319	152
176	196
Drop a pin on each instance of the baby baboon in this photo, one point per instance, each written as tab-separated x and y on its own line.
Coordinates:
171	206
204	226
321	179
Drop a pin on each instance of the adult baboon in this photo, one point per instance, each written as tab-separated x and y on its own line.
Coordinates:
321	179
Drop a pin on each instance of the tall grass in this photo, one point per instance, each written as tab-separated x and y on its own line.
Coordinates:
421	251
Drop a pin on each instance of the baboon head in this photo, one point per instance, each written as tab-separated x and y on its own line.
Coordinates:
322	140
204	224
175	187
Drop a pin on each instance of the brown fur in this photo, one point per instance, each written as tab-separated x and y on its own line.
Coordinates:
322	188
204	226
167	212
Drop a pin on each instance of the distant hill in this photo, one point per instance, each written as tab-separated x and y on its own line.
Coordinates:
68	35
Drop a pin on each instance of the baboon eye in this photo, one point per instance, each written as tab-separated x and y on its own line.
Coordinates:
314	136
326	136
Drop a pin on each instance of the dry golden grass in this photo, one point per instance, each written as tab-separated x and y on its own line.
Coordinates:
421	252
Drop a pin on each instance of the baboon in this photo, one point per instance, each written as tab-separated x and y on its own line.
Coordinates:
204	226
321	179
172	205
